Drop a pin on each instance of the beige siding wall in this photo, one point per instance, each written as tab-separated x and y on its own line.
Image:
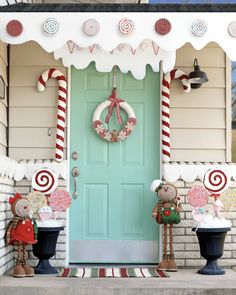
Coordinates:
3	103
32	113
198	119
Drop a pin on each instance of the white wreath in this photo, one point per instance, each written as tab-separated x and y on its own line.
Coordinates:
114	136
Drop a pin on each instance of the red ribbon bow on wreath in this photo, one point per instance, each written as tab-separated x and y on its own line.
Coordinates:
115	103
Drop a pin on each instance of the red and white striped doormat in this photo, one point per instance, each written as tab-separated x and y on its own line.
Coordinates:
112	272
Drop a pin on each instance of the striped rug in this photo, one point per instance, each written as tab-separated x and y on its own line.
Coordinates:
112	272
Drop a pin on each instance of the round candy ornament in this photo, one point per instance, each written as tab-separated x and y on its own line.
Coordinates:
198	196
126	26
216	180
228	198
37	200
199	27
44	180
91	27
232	29
60	200
163	26
51	26
14	28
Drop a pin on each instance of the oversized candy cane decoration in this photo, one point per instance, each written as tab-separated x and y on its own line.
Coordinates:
61	108
165	103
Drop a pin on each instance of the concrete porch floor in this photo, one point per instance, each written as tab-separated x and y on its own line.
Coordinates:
184	282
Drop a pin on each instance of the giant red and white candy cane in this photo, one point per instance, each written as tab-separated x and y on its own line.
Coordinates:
165	104
61	108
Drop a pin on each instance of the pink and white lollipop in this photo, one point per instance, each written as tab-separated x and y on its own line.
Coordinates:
44	180
216	180
198	196
60	200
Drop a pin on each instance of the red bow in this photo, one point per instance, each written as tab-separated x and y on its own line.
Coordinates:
13	199
215	196
115	102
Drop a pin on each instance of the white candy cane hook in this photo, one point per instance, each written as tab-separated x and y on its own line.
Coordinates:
165	105
61	108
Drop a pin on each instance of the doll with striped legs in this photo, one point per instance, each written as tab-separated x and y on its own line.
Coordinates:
166	212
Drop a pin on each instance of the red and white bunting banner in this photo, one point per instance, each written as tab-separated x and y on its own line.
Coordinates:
165	105
61	108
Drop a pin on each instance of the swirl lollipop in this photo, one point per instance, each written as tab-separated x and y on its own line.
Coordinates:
199	27
44	180
228	199
60	200
126	26
216	180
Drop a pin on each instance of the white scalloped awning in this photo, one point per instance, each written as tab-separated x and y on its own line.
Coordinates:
109	37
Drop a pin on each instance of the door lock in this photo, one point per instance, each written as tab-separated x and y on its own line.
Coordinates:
75	156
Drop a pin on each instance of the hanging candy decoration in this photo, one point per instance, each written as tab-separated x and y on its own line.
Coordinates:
37	200
165	103
60	200
199	27
126	26
91	27
216	181
14	28
198	196
51	26
232	29
44	180
111	103
61	108
162	26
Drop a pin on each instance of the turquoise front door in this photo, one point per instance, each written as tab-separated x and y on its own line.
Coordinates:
111	221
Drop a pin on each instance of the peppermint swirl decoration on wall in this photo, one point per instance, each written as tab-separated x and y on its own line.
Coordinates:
44	180
14	28
232	29
51	26
163	26
199	27
126	26
91	27
216	180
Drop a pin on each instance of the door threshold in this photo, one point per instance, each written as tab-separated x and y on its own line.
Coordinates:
118	265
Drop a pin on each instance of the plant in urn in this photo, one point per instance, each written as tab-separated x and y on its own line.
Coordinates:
210	227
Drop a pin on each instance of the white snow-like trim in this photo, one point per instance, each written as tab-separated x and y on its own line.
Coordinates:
123	56
109	37
25	169
190	172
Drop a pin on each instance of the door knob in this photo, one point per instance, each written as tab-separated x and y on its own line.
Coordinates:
75	174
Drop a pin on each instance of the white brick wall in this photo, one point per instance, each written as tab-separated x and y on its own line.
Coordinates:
6	253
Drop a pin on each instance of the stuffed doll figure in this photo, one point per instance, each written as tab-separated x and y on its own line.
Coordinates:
21	231
166	212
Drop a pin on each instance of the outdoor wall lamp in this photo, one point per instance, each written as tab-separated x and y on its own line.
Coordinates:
197	77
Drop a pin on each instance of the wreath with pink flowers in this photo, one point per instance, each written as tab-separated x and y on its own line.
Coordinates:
111	103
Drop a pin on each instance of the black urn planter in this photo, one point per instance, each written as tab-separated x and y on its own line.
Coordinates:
46	248
211	241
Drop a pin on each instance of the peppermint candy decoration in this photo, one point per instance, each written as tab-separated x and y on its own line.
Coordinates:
163	26
51	26
37	200
126	26
199	27
232	29
91	27
14	28
44	180
60	200
216	180
198	196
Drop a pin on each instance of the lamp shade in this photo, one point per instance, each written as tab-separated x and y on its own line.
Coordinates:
197	77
